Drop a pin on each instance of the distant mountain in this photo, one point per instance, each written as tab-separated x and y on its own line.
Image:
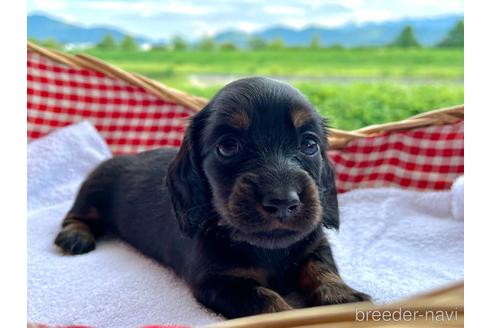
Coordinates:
42	28
428	31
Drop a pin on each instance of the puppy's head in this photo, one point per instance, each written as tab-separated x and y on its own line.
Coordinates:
255	159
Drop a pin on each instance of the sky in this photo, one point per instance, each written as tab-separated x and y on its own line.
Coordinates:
162	19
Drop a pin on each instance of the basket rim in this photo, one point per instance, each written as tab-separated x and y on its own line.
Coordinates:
337	138
447	298
91	63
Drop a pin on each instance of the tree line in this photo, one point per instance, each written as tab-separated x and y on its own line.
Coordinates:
454	39
405	39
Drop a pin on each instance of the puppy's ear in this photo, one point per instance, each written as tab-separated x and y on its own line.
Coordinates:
186	182
328	194
329	200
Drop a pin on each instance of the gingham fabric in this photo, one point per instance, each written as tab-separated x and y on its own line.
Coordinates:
131	120
429	158
128	117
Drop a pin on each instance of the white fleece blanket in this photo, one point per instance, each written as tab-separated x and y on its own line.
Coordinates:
392	244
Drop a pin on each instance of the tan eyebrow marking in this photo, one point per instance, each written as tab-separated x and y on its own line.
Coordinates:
239	119
300	116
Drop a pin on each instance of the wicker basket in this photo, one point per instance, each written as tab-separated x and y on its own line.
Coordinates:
449	299
421	311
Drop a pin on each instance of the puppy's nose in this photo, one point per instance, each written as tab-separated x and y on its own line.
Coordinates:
282	205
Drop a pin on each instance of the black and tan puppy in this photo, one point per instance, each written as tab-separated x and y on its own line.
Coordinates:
237	212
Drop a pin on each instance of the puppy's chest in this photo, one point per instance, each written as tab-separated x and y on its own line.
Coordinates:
282	277
277	271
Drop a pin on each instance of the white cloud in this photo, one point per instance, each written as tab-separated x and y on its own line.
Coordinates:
148	8
414	8
48	5
248	27
69	18
371	15
295	23
192	18
283	10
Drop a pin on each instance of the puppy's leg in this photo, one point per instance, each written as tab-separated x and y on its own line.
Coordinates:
76	236
238	297
84	222
321	284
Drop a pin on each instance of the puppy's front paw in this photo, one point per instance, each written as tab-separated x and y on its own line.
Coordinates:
273	301
75	241
337	293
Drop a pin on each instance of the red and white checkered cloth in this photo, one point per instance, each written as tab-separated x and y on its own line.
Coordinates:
429	158
131	120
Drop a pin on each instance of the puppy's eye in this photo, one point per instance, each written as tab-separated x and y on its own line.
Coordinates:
309	146
228	147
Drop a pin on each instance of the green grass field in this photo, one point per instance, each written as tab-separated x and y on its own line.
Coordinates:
353	87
